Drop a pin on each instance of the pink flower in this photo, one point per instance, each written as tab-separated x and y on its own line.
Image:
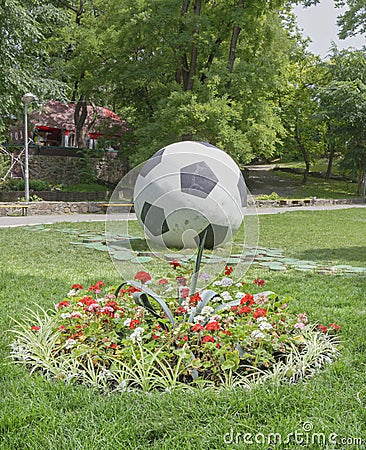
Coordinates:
35	328
184	292
162	282
300	325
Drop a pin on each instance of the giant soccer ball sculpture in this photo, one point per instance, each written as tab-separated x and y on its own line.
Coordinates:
188	190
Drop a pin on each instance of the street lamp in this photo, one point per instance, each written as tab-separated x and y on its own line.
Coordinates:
27	99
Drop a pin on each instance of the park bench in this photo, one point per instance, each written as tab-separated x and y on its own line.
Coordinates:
23	208
295	201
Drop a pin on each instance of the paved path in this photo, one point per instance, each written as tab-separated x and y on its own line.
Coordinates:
17	221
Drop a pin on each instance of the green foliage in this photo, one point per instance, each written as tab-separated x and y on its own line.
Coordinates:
18	184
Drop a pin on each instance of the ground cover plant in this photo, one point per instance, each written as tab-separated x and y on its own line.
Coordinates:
36	413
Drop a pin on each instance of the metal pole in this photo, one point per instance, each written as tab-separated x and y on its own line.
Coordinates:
26	165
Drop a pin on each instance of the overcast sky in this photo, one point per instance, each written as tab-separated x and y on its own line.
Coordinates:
319	23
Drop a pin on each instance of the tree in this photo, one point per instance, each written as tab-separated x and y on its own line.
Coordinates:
353	20
24	26
343	104
192	70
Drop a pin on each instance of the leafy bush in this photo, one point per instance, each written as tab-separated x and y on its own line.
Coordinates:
18	184
272	196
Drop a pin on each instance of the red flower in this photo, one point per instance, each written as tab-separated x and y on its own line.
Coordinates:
259	282
185	337
235	309
182	281
184	292
207	338
143	276
133	323
76	286
335	326
195	298
249	299
322	328
227	332
218	345
155	337
259	312
63	304
61	328
113	304
35	328
228	270
197	327
180	310
162	282
214	325
133	289
245	310
175	263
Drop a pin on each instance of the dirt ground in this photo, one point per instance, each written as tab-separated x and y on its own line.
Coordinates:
263	180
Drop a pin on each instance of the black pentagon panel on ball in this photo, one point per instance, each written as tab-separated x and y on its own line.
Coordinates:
152	162
242	191
215	236
153	217
197	179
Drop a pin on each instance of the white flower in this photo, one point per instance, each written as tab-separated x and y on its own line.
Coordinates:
240	295
127	322
226	295
199	319
256	334
72	293
207	310
137	334
65	316
169	288
226	282
70	343
262	319
265	326
216	318
239	285
216	283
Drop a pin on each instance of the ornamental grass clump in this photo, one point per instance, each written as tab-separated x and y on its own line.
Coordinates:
154	334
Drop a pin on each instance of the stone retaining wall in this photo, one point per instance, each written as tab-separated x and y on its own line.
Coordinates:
51	208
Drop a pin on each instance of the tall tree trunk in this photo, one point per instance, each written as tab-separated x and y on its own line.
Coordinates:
360	177
80	115
188	85
331	149
182	72
304	153
234	42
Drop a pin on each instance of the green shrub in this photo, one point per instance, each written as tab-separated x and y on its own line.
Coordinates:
18	184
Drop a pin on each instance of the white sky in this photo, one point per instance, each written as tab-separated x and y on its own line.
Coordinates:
320	24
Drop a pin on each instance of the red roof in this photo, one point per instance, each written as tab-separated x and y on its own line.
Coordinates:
60	115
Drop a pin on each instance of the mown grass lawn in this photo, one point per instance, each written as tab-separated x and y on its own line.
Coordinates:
40	266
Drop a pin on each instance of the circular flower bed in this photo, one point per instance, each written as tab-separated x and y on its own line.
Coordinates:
129	338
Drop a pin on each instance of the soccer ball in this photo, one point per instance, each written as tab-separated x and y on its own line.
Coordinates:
188	190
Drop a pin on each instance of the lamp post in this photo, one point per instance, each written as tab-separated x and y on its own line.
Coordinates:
27	99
